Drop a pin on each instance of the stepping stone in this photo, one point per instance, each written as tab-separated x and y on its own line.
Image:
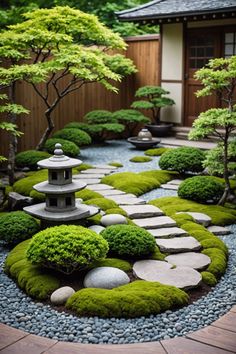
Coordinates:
200	218
155	222
89	175
179	244
99	187
91	180
181	277
175	181
97	171
218	230
105	167
126	199
189	259
97	228
144	211
109	192
168	232
170	186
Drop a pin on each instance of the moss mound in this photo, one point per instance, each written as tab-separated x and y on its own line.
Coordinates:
209	278
30	158
102	203
77	136
139	298
25	185
116	211
69	148
116	164
140	159
87	194
113	262
156	152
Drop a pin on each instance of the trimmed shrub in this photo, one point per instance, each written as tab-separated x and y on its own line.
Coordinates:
100	117
129	241
25	185
182	160
113	262
156	151
69	148
16	227
140	298
209	278
77	136
66	248
102	203
140	159
30	158
202	189
158	255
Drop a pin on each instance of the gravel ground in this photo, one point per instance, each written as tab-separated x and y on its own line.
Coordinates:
19	311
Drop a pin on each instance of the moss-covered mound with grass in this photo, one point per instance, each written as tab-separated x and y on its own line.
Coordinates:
115	164
69	148
30	278
25	185
102	203
140	298
16	227
87	194
208	278
66	248
116	211
156	151
129	241
113	262
183	159
140	159
77	136
30	158
202	189
138	183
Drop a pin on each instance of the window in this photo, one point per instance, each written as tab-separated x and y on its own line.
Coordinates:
230	44
66	174
201	50
54	175
68	201
53	202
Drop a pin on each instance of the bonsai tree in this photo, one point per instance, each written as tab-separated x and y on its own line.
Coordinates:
62	43
155	99
218	76
131	118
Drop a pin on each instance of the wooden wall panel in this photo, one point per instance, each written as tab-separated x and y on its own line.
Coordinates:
143	50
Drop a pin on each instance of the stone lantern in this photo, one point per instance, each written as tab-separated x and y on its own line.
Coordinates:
61	205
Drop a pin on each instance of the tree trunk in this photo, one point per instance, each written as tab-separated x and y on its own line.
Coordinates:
226	171
12	139
47	131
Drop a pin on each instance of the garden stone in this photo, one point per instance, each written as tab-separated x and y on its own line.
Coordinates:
109	192
175	181
17	201
105	278
155	222
170	186
126	199
218	230
61	295
142	211
113	219
189	259
106	167
88	180
147	269
168	232
200	218
99	187
180	244
96	171
97	228
88	175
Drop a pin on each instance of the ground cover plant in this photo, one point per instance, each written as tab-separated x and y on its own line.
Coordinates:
140	159
156	151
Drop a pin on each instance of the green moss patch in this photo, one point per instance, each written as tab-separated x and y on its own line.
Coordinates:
209	278
140	159
156	152
102	203
87	194
139	298
113	262
25	185
116	164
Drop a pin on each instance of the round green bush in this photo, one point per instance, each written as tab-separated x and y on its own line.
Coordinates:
182	160
202	189
30	158
77	136
129	240
100	117
17	226
66	248
69	148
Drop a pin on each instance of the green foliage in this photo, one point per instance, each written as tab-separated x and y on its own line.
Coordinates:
25	185
156	151
202	189
102	203
37	196
16	254
208	278
17	226
183	159
40	286
140	159
82	167
66	248
99	117
30	158
113	262
155	99
158	255
116	164
116	211
69	148
77	136
130	118
140	298
218	261
129	241
87	194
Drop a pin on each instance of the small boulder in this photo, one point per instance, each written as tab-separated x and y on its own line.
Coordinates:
61	295
17	201
97	228
113	219
105	278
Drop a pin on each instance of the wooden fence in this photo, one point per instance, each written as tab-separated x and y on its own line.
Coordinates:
143	50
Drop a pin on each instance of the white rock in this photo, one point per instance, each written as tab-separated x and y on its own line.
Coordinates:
97	228
105	278
113	219
61	295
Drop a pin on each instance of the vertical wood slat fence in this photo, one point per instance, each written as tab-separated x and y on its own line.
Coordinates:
143	50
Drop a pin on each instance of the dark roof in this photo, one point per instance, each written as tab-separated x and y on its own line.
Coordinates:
161	9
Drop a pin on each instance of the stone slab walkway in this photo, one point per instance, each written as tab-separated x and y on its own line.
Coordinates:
218	338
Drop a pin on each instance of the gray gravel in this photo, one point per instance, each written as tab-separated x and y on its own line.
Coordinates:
19	311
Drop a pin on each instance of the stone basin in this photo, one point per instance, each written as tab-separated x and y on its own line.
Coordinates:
143	144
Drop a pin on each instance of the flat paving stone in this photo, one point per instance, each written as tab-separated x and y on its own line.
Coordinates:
99	187
168	232
170	186
106	167
200	218
179	244
126	199
97	171
218	230
181	277
88	175
175	181
143	211
189	259
155	222
91	180
109	192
